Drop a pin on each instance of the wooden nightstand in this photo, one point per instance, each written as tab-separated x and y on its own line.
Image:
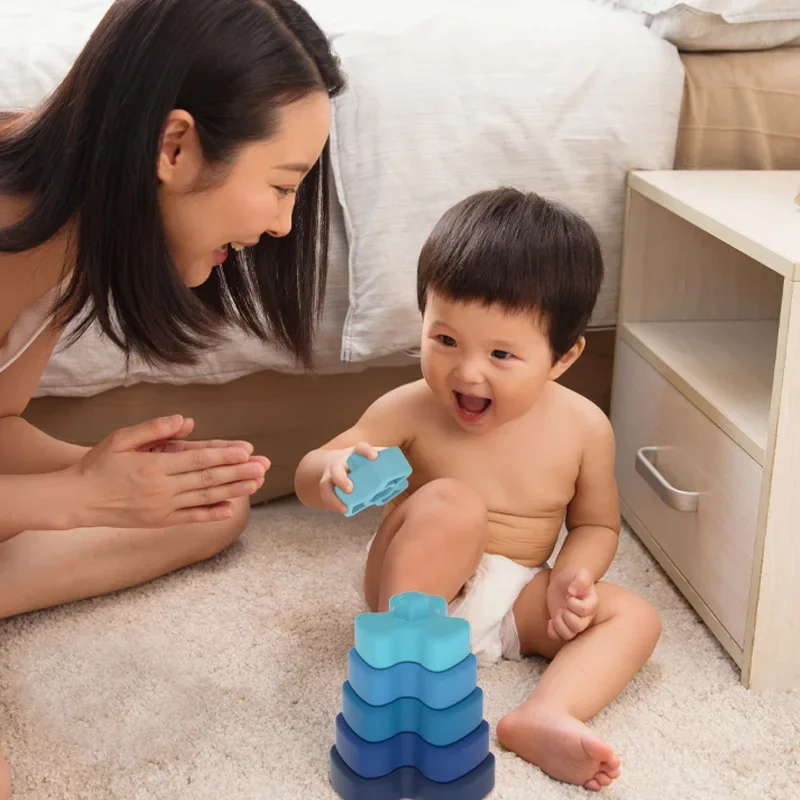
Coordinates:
706	402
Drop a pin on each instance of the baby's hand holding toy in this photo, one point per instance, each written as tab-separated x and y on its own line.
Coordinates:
337	473
571	602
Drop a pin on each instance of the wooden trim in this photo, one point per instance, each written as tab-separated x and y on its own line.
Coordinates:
775	623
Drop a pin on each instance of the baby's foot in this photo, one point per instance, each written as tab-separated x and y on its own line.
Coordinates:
559	745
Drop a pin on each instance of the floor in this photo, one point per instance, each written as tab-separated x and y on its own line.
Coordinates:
223	681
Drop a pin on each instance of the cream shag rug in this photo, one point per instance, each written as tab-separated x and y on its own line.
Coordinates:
222	682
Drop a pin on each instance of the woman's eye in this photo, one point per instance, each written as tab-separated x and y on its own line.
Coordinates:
447	341
502	355
283	192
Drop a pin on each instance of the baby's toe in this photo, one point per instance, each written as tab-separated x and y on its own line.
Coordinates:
612	763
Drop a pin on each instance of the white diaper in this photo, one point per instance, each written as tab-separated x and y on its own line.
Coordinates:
487	603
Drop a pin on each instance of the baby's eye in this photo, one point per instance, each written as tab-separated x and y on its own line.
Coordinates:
502	355
447	341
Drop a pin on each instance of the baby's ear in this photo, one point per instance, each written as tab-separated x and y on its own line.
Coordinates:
568	359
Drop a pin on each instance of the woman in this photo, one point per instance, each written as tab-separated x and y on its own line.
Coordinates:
174	184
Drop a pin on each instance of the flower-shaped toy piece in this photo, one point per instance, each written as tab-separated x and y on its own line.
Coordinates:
375	482
415	628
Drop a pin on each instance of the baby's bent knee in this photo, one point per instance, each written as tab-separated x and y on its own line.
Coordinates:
648	618
641	615
456	500
450	510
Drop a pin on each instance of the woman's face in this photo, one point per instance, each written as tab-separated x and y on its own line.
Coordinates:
255	197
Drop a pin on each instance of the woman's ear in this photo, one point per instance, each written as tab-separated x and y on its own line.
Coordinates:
568	359
180	157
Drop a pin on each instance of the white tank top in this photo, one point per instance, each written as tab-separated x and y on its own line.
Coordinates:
26	328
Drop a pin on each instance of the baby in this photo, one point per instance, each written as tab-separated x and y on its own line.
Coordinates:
502	457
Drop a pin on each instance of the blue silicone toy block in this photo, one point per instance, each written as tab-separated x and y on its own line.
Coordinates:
409	679
440	764
408	782
375	482
415	628
437	726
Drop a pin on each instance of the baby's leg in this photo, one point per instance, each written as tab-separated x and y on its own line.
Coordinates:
5	779
432	543
585	675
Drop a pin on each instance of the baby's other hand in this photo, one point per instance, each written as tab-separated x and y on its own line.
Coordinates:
571	603
336	473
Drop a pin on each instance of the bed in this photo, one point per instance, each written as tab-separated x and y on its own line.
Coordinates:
586	94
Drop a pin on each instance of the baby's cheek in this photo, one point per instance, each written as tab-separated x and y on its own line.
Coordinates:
522	395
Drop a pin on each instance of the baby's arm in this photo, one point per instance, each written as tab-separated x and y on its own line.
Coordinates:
593	519
386	423
593	524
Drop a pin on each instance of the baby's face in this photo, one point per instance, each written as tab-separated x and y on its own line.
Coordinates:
485	365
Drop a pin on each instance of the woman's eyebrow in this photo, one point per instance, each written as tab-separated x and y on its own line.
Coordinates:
302	168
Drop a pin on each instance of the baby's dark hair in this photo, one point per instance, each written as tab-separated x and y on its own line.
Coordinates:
520	251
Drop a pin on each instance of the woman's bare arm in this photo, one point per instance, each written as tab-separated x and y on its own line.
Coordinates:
25	449
120	482
37	502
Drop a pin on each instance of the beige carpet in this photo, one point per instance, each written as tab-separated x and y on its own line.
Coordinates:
223	681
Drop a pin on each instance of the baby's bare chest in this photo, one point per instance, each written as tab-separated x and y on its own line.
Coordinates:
523	476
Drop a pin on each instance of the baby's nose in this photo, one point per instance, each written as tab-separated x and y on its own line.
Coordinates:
469	372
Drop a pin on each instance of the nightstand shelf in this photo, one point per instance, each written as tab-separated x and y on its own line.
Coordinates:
725	368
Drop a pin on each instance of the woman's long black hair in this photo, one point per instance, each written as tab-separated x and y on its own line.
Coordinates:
89	152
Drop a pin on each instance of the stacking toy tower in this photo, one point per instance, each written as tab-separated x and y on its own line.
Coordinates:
412	722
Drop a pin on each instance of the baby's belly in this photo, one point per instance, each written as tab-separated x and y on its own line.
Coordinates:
526	540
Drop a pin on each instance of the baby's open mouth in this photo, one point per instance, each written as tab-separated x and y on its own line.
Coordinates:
470	406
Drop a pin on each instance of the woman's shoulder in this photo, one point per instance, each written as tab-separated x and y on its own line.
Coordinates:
19	331
29	285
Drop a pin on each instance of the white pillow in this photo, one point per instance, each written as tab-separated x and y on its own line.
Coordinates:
557	96
39	41
720	24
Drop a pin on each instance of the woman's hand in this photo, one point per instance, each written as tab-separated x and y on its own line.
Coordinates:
178	444
147	476
336	473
